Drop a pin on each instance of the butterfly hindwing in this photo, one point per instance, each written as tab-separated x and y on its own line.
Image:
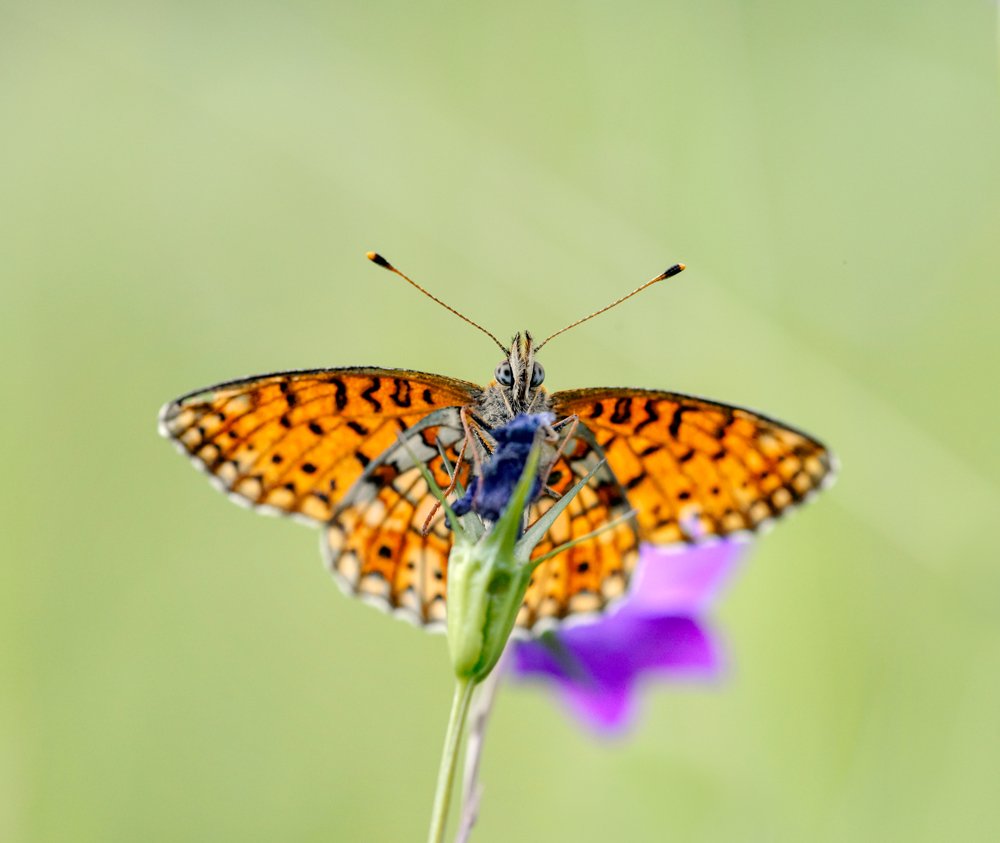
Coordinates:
296	442
375	545
377	548
694	468
587	577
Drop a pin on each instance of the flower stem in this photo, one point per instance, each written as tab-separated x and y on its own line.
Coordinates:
449	758
480	710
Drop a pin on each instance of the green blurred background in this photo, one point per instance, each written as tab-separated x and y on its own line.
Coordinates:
188	191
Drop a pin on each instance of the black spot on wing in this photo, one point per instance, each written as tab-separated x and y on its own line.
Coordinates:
340	394
401	394
622	412
675	421
369	394
651	415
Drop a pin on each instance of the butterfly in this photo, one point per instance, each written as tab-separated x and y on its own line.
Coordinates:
342	449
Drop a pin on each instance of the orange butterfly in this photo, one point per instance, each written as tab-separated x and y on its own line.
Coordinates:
337	448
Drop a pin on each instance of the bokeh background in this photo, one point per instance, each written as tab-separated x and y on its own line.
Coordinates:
188	190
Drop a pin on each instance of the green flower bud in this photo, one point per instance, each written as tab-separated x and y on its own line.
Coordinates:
489	571
487	581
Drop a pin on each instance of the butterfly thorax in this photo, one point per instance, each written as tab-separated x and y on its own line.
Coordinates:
516	387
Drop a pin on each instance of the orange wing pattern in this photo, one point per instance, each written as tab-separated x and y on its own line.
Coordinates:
694	468
376	549
324	445
375	546
595	572
295	442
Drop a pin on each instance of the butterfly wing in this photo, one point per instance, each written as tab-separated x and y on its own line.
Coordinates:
587	577
375	544
295	442
694	468
377	549
324	445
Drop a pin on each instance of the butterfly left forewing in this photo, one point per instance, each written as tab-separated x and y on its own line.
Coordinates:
693	468
295	442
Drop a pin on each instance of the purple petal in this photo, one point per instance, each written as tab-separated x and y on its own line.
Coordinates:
597	666
655	633
680	582
608	711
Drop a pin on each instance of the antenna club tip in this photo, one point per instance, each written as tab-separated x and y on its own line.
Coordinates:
676	269
378	260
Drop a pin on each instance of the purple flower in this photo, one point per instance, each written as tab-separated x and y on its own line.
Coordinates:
656	632
488	495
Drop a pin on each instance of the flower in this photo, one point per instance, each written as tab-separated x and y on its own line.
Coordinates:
489	495
658	631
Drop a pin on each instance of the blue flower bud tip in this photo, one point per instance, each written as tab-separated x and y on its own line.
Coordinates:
521	429
488	495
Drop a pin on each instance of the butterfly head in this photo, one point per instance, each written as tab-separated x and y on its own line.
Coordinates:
517	384
518	378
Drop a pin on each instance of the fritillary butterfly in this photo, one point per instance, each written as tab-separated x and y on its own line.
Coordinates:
338	448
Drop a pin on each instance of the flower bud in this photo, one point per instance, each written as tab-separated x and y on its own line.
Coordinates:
490	563
487	581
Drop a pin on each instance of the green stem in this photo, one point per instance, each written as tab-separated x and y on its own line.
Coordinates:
449	758
480	710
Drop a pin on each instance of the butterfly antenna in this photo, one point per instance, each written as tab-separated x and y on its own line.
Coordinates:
674	270
377	259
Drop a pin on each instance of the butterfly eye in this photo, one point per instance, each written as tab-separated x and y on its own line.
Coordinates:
537	375
504	375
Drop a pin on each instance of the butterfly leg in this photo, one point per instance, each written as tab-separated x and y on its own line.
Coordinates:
451	488
477	457
571	423
472	433
467	426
